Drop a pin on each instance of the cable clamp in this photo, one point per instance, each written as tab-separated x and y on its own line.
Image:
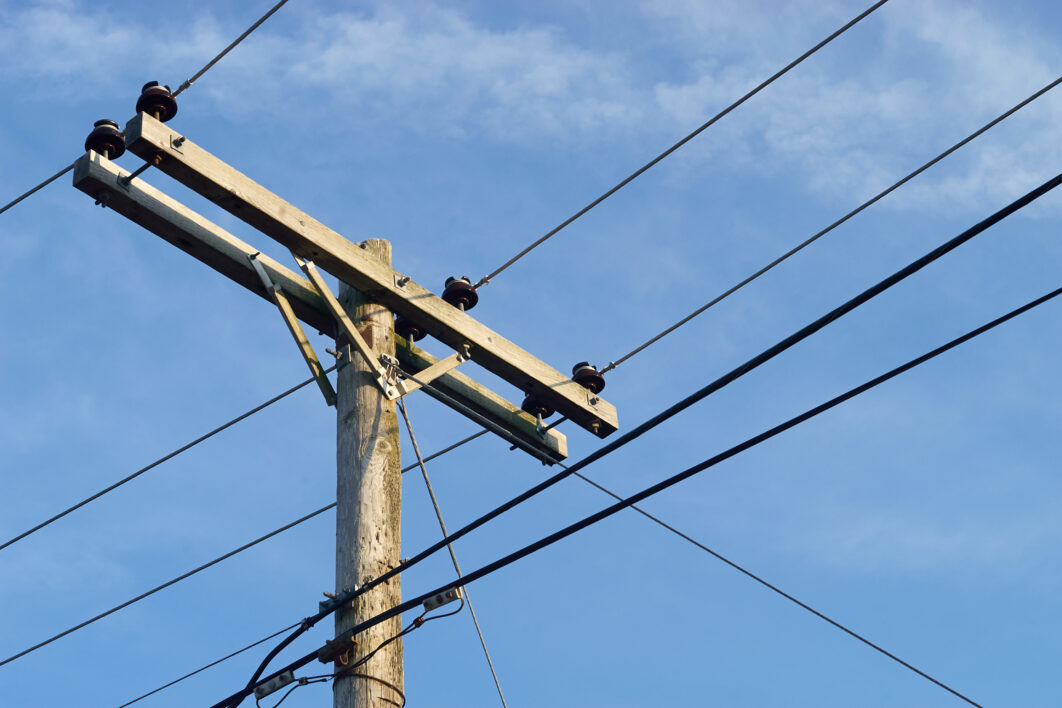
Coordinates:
442	598
274	684
334	649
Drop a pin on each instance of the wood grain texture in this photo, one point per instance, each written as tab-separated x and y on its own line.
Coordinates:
228	255
243	197
369	504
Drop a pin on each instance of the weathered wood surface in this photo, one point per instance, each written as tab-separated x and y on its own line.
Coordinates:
243	197
228	255
368	506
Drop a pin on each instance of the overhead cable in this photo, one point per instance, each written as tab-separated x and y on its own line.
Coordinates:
40	186
666	484
704	126
167	584
201	669
429	458
449	547
195	77
680	406
164	458
180	88
801	246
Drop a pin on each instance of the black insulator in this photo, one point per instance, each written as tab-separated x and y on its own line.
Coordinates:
408	330
588	377
157	101
460	293
106	139
536	407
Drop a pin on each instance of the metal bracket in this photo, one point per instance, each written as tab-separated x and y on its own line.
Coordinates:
425	377
296	330
383	378
274	684
334	649
443	598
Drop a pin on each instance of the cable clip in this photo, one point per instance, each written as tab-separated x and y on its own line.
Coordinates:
335	649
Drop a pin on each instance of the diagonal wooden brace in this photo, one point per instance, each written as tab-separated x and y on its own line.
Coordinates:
296	330
425	377
383	374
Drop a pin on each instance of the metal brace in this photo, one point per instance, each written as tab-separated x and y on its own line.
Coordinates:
383	378
435	370
282	303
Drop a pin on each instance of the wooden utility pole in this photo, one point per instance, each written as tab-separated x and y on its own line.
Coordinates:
369	510
369	499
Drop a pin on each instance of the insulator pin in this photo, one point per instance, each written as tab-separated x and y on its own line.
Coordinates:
106	139
460	293
588	377
156	100
536	407
408	330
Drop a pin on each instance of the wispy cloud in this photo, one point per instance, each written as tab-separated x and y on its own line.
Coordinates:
919	79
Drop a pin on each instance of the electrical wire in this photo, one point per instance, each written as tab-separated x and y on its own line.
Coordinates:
704	126
449	547
210	665
167	584
427	459
164	458
670	482
674	409
209	65
804	244
180	88
298	684
40	186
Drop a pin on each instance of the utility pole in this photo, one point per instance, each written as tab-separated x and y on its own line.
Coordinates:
378	367
369	498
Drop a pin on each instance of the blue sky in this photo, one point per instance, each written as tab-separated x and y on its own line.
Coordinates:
923	514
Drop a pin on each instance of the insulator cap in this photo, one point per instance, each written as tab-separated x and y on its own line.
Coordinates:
106	139
408	330
536	407
460	293
156	100
588	377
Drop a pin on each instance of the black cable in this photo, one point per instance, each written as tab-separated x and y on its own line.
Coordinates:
804	244
688	401
162	459
168	583
211	664
180	88
634	175
670	482
291	627
195	77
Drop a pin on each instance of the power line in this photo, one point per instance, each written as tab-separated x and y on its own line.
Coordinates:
634	175
768	585
40	186
680	406
449	547
666	484
735	373
180	88
211	664
209	65
162	459
167	584
427	459
834	225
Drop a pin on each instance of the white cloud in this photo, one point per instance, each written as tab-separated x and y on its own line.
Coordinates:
920	77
